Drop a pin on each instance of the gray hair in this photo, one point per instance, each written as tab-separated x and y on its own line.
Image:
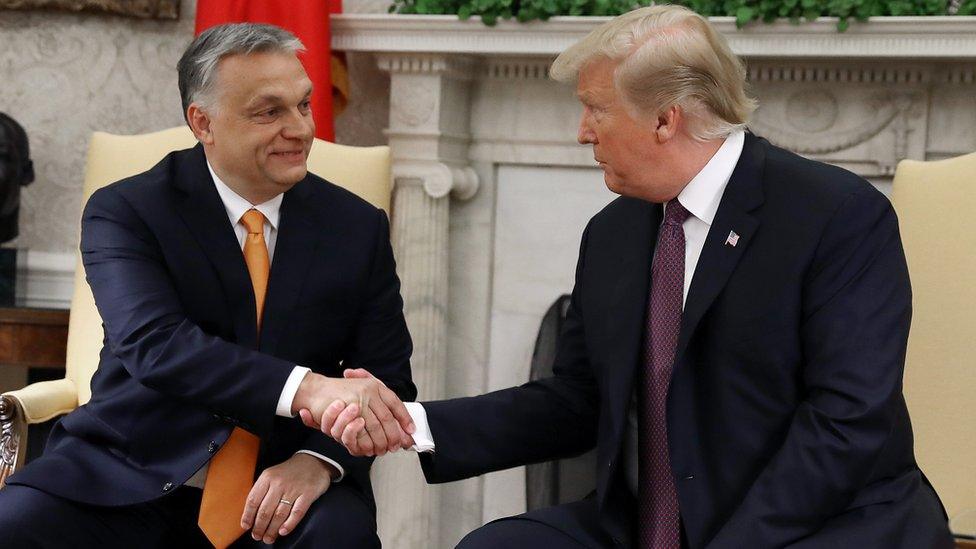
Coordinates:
197	68
667	55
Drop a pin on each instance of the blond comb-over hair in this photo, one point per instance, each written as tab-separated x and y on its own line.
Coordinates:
666	56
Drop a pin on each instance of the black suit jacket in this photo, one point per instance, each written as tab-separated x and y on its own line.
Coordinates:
182	362
786	418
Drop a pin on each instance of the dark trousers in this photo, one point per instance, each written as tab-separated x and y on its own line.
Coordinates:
576	525
30	519
573	525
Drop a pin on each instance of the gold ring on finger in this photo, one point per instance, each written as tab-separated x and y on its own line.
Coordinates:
285	501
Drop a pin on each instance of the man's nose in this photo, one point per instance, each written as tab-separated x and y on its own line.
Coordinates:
585	134
298	126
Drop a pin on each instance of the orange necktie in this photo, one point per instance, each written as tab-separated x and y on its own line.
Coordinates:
231	471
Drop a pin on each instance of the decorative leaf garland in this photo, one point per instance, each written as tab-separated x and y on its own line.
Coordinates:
744	11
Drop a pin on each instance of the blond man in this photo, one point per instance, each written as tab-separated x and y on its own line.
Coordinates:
735	342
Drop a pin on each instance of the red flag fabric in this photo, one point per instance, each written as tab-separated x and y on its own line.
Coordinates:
306	19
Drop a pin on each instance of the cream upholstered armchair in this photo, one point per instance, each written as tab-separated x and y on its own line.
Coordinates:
363	170
936	206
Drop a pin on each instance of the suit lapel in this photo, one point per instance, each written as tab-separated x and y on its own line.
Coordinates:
718	259
627	307
299	232
205	215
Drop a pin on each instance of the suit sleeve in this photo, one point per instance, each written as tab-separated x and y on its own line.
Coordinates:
381	344
147	329
546	419
856	315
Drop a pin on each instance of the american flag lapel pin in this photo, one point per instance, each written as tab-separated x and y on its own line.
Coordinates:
732	240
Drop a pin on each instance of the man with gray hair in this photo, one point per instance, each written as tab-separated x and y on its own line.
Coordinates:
230	282
735	341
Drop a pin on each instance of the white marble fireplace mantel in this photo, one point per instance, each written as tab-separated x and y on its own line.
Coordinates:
882	37
492	190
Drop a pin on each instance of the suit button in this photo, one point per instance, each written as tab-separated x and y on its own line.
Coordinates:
168	486
212	447
690	477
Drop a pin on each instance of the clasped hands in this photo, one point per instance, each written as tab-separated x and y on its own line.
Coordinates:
358	411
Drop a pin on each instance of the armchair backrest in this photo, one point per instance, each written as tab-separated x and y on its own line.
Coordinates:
936	206
363	170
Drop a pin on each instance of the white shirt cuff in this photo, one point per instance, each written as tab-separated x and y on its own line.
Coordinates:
288	392
423	440
342	472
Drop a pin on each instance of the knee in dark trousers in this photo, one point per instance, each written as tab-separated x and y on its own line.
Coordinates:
516	533
340	519
30	518
570	525
16	517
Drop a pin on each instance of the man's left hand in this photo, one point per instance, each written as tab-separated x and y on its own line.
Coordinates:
282	495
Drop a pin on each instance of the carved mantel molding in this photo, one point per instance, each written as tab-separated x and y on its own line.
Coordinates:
429	143
880	38
439	178
809	73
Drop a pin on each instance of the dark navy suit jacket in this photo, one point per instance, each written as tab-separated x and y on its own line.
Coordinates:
787	425
182	362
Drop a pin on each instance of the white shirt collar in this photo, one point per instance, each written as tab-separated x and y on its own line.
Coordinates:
237	206
702	195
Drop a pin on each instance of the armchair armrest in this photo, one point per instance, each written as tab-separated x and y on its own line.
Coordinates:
46	400
35	403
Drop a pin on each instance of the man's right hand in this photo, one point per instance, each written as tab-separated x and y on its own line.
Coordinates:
343	423
386	421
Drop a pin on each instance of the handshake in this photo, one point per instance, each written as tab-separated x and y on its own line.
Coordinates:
358	411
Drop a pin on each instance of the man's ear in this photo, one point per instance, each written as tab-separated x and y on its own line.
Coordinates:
199	121
667	123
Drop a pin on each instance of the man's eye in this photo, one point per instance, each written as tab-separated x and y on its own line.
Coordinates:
268	113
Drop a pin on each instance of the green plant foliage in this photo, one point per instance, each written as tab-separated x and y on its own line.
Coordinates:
967	7
744	11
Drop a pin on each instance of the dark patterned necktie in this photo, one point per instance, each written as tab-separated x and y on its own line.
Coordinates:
658	515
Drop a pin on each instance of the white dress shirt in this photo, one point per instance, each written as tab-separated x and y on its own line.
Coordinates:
236	207
701	197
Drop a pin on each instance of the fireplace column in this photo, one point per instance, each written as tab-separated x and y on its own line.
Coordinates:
428	136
